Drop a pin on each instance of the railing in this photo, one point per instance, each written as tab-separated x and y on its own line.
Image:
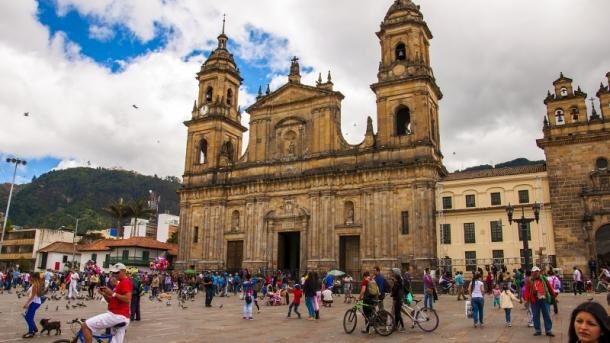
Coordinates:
16	256
130	261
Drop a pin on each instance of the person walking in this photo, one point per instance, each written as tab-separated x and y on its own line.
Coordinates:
459	284
556	284
310	292
428	289
248	296
154	285
32	304
208	284
506	303
296	300
477	292
398	296
578	285
592	268
73	288
539	294
138	290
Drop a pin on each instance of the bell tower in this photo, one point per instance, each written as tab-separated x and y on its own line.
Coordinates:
215	131
407	93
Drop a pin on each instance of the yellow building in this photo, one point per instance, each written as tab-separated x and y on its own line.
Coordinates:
472	223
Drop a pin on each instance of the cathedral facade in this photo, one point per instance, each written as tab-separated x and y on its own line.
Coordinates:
301	197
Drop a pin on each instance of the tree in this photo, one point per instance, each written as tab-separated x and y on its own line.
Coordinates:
118	211
139	208
173	238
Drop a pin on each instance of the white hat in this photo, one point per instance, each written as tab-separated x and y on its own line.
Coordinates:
535	269
117	267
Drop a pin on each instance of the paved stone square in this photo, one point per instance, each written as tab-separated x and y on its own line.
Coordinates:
162	323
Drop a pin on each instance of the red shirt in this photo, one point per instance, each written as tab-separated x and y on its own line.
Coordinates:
297	296
115	305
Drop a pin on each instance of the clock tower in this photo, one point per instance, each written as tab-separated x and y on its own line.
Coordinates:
214	130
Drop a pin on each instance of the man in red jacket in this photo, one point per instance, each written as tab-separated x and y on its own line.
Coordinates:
539	294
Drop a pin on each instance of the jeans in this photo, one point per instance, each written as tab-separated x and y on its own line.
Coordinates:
309	304
247	310
135	307
209	294
29	317
296	309
538	307
507	315
477	309
428	298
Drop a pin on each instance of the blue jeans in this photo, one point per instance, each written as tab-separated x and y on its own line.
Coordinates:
29	317
428	298
309	304
477	309
542	306
507	314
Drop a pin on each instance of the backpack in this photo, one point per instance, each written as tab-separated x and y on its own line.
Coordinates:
372	289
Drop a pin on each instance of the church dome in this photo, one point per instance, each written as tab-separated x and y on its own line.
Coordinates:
403	8
221	59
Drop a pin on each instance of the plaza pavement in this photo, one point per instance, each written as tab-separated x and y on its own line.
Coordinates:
162	323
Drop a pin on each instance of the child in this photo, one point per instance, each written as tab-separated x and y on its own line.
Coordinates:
327	297
496	293
248	289
296	300
506	302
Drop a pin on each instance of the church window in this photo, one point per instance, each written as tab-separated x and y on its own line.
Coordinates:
524	196
447	204
349	212
574	111
563	92
229	97
559	118
203	151
404	227
470	200
196	234
601	163
227	151
403	121
469	233
208	94
401	52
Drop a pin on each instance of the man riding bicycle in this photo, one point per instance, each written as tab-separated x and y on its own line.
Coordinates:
119	300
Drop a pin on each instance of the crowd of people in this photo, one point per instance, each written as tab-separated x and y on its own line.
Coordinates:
537	290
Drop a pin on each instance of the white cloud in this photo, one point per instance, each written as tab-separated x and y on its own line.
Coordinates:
493	62
101	32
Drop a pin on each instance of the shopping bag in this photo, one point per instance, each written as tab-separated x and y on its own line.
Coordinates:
468	309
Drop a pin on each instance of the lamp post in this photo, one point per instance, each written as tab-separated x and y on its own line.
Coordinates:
74	237
523	227
17	162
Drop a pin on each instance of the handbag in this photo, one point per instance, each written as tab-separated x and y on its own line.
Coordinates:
468	309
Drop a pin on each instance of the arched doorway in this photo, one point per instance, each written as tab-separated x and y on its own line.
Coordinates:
602	244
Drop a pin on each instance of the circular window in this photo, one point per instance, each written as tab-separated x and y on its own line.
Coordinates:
601	163
563	92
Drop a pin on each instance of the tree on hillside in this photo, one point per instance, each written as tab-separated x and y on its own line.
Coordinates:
118	211
139	208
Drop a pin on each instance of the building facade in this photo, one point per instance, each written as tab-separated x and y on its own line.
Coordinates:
577	149
472	223
301	197
21	245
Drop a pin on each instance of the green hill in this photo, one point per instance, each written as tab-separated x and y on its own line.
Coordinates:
47	199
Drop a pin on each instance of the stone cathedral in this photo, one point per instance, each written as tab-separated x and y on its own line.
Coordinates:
301	197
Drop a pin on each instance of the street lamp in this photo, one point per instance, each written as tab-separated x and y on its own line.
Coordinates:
523	227
74	237
17	162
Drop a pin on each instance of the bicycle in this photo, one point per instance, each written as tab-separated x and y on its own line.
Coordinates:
425	318
75	326
381	320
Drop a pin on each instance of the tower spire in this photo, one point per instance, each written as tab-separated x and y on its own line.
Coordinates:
223	23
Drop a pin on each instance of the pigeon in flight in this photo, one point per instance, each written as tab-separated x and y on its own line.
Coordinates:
26	114
134	106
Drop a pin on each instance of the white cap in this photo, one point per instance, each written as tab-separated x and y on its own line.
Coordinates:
117	267
535	269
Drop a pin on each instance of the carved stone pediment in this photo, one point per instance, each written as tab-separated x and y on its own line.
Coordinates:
290	93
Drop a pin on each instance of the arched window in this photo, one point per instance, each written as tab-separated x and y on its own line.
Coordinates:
401	52
559	118
229	97
227	150
349	212
574	111
403	121
601	163
203	151
208	94
563	91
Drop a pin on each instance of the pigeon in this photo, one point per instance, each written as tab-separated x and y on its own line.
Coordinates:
134	106
220	306
26	114
46	308
67	307
168	303
57	308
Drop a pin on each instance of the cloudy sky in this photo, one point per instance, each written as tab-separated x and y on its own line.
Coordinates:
78	66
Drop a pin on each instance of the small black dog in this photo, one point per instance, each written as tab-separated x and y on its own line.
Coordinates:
48	326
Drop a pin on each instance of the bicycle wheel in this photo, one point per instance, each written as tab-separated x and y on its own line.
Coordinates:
383	322
426	319
350	320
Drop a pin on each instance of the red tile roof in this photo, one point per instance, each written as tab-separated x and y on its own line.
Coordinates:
141	242
473	174
64	247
